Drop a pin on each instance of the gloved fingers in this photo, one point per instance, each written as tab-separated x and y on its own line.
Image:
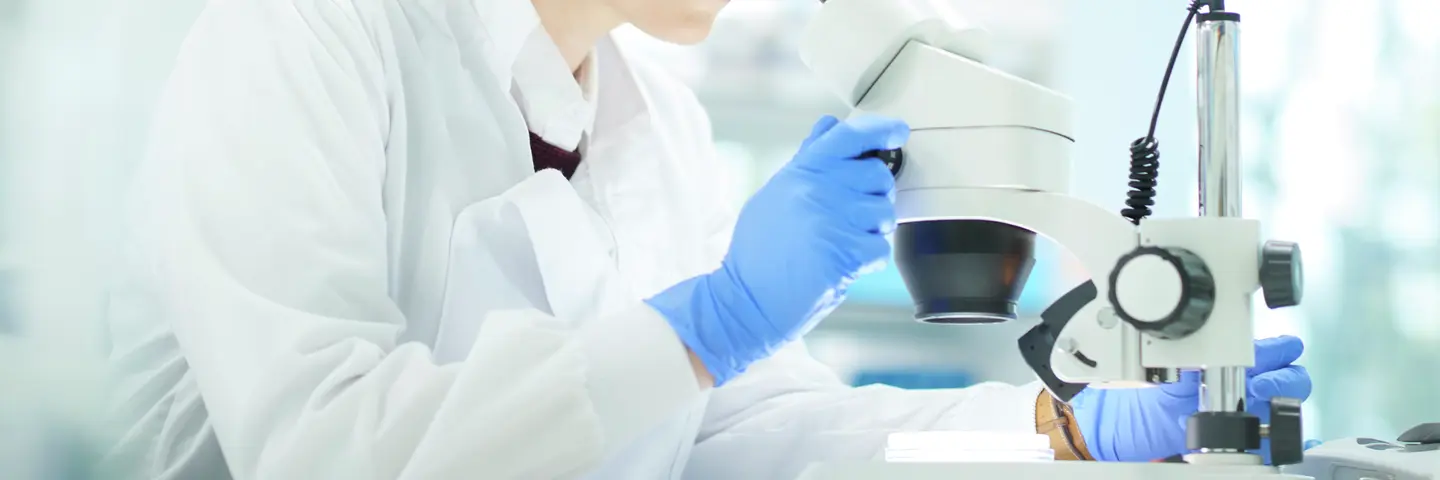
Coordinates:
1187	387
846	211
875	251
853	137
1275	353
878	263
867	177
1292	381
869	214
824	124
860	252
1259	408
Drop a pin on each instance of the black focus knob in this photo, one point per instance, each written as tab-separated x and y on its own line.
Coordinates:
1165	292
1281	274
894	159
1287	438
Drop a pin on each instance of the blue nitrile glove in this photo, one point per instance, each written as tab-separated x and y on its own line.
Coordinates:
812	230
1140	425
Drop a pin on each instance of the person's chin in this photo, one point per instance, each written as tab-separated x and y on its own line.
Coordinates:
689	35
695	28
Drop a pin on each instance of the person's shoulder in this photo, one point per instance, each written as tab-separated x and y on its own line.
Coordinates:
279	10
322	18
295	23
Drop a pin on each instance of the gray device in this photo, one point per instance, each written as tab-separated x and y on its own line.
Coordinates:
1415	455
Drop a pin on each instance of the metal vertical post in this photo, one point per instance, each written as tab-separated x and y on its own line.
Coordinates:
1218	105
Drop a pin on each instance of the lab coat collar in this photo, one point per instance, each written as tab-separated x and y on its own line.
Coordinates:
621	98
505	26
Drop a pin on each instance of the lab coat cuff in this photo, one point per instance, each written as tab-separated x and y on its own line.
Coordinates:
640	373
1026	412
1023	406
996	407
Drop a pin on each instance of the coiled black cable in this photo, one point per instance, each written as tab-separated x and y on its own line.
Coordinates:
1145	151
1144	170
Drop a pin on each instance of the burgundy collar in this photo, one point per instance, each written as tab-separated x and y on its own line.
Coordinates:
544	155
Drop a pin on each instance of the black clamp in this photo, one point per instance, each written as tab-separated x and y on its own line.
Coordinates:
1237	431
1287	440
1240	431
1036	344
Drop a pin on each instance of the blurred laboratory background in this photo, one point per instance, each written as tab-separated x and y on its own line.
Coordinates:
1342	152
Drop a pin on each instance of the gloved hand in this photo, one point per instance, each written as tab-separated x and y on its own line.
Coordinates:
819	224
1139	425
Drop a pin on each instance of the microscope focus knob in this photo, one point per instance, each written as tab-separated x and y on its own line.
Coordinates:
1287	440
1165	292
1281	274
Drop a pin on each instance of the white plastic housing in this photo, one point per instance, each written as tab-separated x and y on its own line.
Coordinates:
1161	282
973	125
1230	248
848	42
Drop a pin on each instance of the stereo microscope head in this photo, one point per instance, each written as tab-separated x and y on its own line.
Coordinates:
965	255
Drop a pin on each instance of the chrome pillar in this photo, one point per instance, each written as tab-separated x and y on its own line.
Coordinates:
1218	91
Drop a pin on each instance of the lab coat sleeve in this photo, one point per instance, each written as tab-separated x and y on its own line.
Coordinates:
791	410
260	206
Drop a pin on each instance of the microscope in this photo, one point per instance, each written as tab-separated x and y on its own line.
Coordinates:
986	171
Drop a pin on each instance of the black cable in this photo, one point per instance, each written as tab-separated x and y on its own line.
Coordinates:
1145	151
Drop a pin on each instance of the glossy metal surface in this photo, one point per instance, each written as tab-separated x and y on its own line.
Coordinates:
1218	105
1218	92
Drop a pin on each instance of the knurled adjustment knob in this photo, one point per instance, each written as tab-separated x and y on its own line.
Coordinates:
893	159
1281	274
1165	292
1287	438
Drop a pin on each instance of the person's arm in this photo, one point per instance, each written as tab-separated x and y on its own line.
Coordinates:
791	410
261	210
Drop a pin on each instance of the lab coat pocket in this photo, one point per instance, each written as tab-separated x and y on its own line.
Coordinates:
530	248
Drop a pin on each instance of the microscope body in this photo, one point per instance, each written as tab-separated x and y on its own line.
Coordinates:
989	155
989	146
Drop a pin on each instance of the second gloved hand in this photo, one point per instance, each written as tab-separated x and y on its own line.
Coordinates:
1138	425
799	242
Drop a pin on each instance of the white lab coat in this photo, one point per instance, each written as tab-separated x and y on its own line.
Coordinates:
340	245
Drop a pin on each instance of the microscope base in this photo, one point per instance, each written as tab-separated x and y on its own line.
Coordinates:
1040	471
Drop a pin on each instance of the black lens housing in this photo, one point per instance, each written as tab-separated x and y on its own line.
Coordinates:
964	271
